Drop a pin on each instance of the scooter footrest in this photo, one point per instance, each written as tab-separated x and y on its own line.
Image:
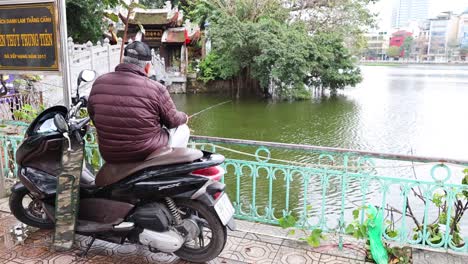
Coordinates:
90	227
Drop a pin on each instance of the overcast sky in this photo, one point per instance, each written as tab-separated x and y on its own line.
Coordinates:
384	8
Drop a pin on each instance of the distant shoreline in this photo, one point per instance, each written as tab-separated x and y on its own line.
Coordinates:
395	63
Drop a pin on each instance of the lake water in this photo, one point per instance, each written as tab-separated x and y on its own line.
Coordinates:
417	108
395	109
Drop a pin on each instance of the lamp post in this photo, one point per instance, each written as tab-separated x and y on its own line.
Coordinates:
65	62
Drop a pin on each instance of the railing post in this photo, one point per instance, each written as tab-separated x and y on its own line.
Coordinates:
89	47
71	48
107	45
2	178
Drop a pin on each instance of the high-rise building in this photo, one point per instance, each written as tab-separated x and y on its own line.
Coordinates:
405	11
377	44
443	33
463	30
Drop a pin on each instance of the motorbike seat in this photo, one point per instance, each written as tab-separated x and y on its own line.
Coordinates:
111	173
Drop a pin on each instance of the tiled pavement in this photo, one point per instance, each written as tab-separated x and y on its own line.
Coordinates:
246	246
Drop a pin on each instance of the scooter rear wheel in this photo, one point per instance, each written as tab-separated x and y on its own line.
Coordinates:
212	225
31	215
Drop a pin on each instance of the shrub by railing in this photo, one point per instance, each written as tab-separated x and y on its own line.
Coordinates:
327	189
9	104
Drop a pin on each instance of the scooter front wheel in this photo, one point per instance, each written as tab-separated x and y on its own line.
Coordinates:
29	210
213	234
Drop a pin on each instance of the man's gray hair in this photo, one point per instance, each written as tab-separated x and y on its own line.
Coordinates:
137	62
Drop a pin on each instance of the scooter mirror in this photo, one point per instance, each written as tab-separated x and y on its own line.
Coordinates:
60	123
87	75
84	76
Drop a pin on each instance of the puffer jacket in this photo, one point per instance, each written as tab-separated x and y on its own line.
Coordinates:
129	110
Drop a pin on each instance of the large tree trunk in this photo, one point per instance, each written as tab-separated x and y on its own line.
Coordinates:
239	80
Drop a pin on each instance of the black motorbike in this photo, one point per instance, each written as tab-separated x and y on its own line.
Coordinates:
159	202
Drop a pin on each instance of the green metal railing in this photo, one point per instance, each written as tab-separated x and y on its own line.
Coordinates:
323	188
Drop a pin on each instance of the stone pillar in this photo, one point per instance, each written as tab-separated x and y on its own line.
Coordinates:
107	45
89	47
2	177
71	47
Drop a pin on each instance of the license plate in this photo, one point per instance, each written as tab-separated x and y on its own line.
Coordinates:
224	209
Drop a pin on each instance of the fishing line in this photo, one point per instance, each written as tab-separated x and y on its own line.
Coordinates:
211	107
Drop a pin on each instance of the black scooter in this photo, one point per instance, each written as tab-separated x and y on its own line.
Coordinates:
160	202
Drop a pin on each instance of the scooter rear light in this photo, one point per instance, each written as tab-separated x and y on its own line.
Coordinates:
215	173
217	195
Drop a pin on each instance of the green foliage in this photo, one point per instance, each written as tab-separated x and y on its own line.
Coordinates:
465	182
393	52
356	229
314	238
271	51
335	68
402	255
287	221
27	113
209	69
25	82
407	46
348	19
152	3
445	216
84	19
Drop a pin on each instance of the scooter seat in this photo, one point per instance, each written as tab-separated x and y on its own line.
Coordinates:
111	173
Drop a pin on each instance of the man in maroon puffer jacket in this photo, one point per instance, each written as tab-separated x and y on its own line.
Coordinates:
130	110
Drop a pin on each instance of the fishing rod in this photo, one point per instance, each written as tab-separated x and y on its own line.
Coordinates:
211	107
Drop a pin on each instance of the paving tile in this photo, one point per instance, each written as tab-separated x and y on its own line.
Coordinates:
256	246
328	259
287	255
4	207
353	248
252	251
9	262
230	248
225	261
65	259
162	258
26	254
269	230
245	226
428	257
264	238
98	259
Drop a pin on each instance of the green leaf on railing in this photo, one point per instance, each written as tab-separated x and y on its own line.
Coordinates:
350	229
392	233
437	199
443	218
435	239
362	231
314	238
287	221
292	232
356	213
465	182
